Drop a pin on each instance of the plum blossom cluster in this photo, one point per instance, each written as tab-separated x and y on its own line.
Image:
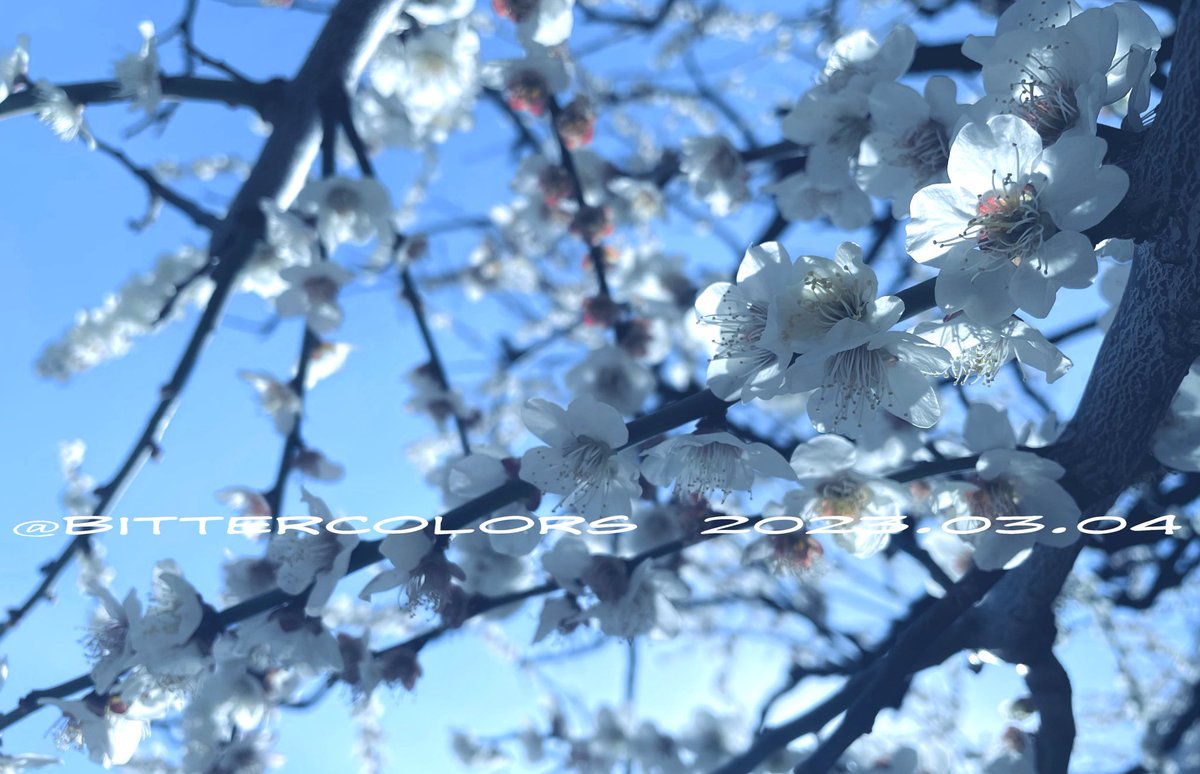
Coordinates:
1027	178
151	659
1002	198
135	310
818	325
863	134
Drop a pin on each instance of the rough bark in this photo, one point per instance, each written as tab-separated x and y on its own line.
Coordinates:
1156	333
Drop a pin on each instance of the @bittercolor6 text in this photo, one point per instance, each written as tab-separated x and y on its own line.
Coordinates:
716	524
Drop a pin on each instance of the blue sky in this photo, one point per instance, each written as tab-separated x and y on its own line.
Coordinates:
64	245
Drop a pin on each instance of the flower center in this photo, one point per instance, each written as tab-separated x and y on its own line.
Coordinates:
830	300
977	364
977	361
555	185
1045	99
1008	224
993	499
1008	220
432	63
706	467
850	131
794	553
725	163
586	458
612	380
856	382
342	200
844	496
925	150
106	639
808	312
320	289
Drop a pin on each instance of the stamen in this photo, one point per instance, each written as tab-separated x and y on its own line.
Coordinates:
1008	225
926	150
857	383
706	468
586	459
1045	97
740	325
844	496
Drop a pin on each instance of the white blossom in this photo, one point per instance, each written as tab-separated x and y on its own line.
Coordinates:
277	398
715	173
434	75
529	82
327	359
248	502
566	562
64	117
830	486
349	211
979	351
490	572
312	293
581	461
1022	15
109	730
557	613
742	364
645	607
302	560
831	125
286	638
14	67
108	331
801	196
858	60
314	464
1008	483
137	74
539	22
404	551
909	141
79	496
702	463
1005	231
641	199
1058	65
162	637
477	474
432	13
890	371
290	241
612	377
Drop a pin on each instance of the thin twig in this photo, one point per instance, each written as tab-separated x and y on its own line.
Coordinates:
158	190
413	296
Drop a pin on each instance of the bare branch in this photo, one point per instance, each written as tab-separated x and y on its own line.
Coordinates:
158	190
258	96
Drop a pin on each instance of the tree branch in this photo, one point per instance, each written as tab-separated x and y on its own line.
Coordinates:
341	51
258	96
158	190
